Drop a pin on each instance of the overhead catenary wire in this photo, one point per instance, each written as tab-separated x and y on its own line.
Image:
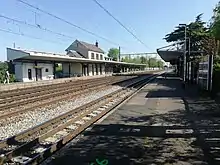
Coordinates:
129	31
35	26
63	20
29	36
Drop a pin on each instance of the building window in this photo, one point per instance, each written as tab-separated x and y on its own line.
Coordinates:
101	57
29	74
97	56
46	70
92	55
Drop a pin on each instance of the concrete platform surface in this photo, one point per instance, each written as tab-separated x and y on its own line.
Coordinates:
162	125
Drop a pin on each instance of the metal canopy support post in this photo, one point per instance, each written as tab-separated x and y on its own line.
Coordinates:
210	72
184	62
184	58
189	64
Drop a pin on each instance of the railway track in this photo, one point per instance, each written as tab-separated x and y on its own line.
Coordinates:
16	92
19	94
51	97
25	148
9	99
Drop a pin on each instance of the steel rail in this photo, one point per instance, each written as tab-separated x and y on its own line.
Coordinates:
138	83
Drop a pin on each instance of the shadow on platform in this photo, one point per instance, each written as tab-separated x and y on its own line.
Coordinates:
141	145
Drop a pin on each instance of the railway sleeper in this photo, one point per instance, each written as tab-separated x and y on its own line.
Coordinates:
101	111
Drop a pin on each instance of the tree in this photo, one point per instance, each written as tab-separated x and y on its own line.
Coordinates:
196	31
203	38
126	59
159	64
214	47
143	60
215	33
215	22
136	60
152	62
3	67
113	53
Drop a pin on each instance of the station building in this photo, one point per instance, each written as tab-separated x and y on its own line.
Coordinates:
81	59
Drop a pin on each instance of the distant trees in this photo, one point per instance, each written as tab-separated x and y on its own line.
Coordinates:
150	62
113	53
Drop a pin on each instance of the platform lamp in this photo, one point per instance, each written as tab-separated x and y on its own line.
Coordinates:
184	58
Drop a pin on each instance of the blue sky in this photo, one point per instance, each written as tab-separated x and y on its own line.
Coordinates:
150	20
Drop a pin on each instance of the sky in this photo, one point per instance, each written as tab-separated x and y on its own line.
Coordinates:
149	20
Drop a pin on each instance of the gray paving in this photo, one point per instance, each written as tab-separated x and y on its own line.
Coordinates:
162	125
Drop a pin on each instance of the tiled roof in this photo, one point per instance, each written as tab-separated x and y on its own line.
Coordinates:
86	45
91	47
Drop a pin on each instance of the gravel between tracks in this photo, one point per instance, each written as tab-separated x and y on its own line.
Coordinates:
40	115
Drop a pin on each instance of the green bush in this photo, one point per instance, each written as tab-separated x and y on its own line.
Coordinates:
3	68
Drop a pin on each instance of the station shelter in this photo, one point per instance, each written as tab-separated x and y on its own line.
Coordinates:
81	59
196	71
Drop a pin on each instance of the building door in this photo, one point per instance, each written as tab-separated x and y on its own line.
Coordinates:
39	74
29	74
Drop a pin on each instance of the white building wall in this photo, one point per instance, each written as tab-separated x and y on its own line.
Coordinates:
65	68
90	54
25	67
18	71
45	75
76	68
103	68
99	55
46	67
90	69
98	69
94	66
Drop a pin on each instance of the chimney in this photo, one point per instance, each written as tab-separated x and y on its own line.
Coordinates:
96	44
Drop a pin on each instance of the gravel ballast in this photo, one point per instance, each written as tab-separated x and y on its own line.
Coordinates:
30	119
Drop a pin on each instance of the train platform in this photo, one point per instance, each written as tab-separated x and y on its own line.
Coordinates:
163	124
20	85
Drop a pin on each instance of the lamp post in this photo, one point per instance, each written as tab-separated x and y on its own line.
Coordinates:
189	71
184	58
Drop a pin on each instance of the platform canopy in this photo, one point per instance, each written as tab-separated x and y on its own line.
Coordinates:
17	54
171	53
